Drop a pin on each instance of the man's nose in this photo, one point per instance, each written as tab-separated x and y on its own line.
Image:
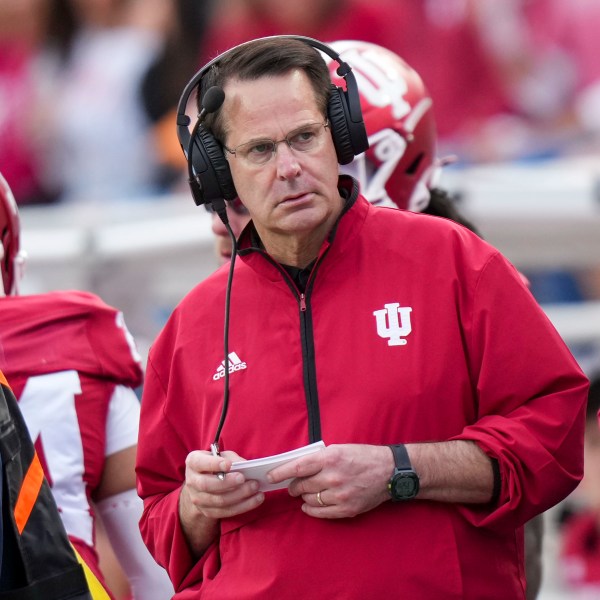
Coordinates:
287	162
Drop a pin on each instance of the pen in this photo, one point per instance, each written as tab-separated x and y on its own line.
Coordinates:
214	448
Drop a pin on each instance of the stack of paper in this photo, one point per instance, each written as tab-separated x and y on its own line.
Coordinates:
259	467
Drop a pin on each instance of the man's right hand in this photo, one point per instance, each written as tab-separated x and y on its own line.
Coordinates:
205	498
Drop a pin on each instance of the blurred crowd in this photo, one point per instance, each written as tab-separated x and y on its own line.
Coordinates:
579	522
88	88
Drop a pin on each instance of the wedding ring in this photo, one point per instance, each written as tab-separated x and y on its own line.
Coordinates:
319	499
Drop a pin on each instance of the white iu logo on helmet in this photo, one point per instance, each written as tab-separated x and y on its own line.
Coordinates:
390	326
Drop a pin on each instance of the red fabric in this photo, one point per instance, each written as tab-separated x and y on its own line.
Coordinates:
75	335
571	27
580	550
374	22
52	332
18	159
447	54
462	374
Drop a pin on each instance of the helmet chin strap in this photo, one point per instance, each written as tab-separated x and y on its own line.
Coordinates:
18	272
419	199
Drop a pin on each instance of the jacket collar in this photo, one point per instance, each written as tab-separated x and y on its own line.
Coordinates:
343	233
349	189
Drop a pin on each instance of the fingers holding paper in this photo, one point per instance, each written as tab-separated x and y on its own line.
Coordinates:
215	497
206	498
339	481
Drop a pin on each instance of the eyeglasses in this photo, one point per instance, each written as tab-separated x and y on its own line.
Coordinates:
235	205
307	138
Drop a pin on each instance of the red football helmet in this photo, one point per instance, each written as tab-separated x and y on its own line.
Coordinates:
400	166
10	256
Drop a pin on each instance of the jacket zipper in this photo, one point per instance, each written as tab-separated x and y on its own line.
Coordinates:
308	349
310	374
302	303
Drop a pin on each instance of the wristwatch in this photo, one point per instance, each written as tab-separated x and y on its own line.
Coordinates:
404	483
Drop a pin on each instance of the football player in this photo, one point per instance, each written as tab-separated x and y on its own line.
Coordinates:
401	168
73	367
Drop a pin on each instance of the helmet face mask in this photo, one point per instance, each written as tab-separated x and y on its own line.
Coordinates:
400	164
11	258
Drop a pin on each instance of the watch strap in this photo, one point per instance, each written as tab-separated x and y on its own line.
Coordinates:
401	458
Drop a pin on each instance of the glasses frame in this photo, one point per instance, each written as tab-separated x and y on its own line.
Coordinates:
275	143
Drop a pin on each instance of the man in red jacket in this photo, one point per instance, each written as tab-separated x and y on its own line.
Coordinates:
450	409
400	169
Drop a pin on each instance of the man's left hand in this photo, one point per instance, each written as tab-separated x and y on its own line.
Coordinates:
342	480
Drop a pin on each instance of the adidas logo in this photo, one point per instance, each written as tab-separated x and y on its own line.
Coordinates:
235	364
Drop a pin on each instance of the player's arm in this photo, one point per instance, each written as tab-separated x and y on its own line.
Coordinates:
118	503
120	509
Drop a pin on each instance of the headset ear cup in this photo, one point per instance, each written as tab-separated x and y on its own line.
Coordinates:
337	112
219	174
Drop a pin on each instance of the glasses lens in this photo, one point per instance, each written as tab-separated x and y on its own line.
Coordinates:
304	139
257	153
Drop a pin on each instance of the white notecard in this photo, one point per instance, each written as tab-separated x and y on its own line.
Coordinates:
258	468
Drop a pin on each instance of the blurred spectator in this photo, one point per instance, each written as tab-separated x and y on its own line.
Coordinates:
571	28
580	536
22	27
437	37
236	21
510	79
443	43
167	76
97	54
545	53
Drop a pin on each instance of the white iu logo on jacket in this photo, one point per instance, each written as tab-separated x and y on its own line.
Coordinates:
393	323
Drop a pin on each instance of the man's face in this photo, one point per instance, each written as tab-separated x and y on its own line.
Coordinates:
294	193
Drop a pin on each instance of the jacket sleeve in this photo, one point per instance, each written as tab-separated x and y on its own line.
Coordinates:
531	398
160	469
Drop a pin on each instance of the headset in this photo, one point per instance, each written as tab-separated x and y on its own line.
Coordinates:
209	174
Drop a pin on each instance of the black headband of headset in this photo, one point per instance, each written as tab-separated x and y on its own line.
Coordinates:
344	70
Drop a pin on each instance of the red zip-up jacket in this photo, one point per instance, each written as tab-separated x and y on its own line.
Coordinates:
411	329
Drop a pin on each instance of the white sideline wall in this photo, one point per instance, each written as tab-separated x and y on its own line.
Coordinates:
143	256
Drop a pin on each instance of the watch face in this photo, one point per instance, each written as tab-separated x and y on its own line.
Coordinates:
405	485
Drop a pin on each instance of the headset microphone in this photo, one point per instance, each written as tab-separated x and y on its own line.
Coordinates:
211	102
206	194
209	174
